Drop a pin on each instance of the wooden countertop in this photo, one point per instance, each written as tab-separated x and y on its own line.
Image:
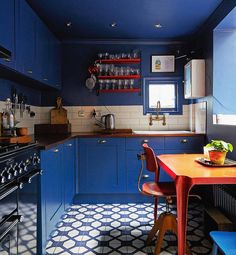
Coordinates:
49	141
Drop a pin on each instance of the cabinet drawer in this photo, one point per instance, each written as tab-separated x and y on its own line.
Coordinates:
156	143
102	141
184	143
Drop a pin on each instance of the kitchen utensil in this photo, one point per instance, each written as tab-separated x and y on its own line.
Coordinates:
59	114
109	121
91	82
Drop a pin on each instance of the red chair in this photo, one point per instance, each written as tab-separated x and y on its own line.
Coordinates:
166	221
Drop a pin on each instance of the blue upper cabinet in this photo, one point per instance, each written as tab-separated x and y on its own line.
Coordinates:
48	56
7	30
26	39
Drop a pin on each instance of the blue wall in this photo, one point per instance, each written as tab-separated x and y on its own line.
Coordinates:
204	43
224	75
78	56
6	88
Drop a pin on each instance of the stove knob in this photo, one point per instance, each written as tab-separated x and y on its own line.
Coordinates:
12	171
18	169
36	160
3	179
23	166
8	175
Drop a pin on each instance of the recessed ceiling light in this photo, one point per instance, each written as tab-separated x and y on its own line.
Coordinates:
113	24
69	24
158	25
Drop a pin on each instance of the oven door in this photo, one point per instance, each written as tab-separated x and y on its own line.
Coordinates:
8	219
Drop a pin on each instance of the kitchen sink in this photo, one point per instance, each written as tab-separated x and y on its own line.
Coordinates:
156	132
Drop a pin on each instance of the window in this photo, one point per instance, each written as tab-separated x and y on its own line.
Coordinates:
164	90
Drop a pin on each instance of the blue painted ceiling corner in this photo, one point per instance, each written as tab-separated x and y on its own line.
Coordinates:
135	19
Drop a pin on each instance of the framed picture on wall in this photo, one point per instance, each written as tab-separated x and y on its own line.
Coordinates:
162	63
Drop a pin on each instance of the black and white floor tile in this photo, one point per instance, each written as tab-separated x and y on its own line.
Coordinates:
120	229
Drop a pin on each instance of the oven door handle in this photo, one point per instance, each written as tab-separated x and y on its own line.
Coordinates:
14	220
29	178
7	192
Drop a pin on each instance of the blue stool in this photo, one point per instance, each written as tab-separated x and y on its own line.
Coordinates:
225	241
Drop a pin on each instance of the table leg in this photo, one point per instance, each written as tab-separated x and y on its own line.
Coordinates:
183	186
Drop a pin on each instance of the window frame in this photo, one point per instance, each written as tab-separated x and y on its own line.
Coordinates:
177	81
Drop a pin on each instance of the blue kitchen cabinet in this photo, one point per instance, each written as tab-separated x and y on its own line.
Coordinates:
52	190
102	166
69	171
42	52
54	62
7	30
184	144
26	39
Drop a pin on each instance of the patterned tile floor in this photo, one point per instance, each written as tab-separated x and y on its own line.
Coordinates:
120	229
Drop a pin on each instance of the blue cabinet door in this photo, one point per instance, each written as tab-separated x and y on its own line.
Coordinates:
102	165
52	195
42	52
54	62
7	30
69	171
26	39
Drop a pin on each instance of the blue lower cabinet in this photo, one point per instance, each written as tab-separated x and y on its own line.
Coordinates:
52	190
102	165
69	172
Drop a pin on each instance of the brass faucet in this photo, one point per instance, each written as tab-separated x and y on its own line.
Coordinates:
158	117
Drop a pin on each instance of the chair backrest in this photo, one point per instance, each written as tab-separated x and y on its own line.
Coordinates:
151	161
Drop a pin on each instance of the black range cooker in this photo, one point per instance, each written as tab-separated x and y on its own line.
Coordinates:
19	182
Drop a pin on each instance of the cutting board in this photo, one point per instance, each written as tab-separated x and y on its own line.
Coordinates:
16	139
59	114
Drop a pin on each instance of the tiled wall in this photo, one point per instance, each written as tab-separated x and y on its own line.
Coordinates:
125	116
26	120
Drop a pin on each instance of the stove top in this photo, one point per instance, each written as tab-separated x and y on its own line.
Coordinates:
6	149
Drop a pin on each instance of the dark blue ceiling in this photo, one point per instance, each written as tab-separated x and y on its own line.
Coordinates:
135	18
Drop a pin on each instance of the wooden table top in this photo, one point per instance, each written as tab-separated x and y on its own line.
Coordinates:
185	165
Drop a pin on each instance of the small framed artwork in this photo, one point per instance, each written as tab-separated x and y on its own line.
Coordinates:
162	63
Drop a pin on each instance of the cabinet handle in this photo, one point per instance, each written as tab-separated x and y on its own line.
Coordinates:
145	141
145	176
69	144
7	59
55	150
184	141
45	79
30	71
102	141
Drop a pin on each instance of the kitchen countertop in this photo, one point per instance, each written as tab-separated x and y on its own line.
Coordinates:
49	141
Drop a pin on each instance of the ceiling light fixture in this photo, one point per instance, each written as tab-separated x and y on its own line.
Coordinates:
69	24
113	24
158	25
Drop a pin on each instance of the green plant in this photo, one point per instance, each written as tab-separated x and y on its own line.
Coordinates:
219	145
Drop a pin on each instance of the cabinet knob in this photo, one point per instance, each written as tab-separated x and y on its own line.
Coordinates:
102	141
145	141
30	71
69	144
45	79
55	150
145	176
184	141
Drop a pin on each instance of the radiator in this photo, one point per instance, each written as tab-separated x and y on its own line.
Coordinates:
225	198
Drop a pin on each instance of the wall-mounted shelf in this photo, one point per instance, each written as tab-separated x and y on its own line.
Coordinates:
119	90
136	76
119	61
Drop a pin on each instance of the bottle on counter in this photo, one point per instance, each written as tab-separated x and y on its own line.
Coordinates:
8	120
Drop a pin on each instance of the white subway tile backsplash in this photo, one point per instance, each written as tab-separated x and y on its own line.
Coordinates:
129	116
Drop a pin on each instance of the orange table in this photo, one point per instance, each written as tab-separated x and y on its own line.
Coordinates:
186	173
